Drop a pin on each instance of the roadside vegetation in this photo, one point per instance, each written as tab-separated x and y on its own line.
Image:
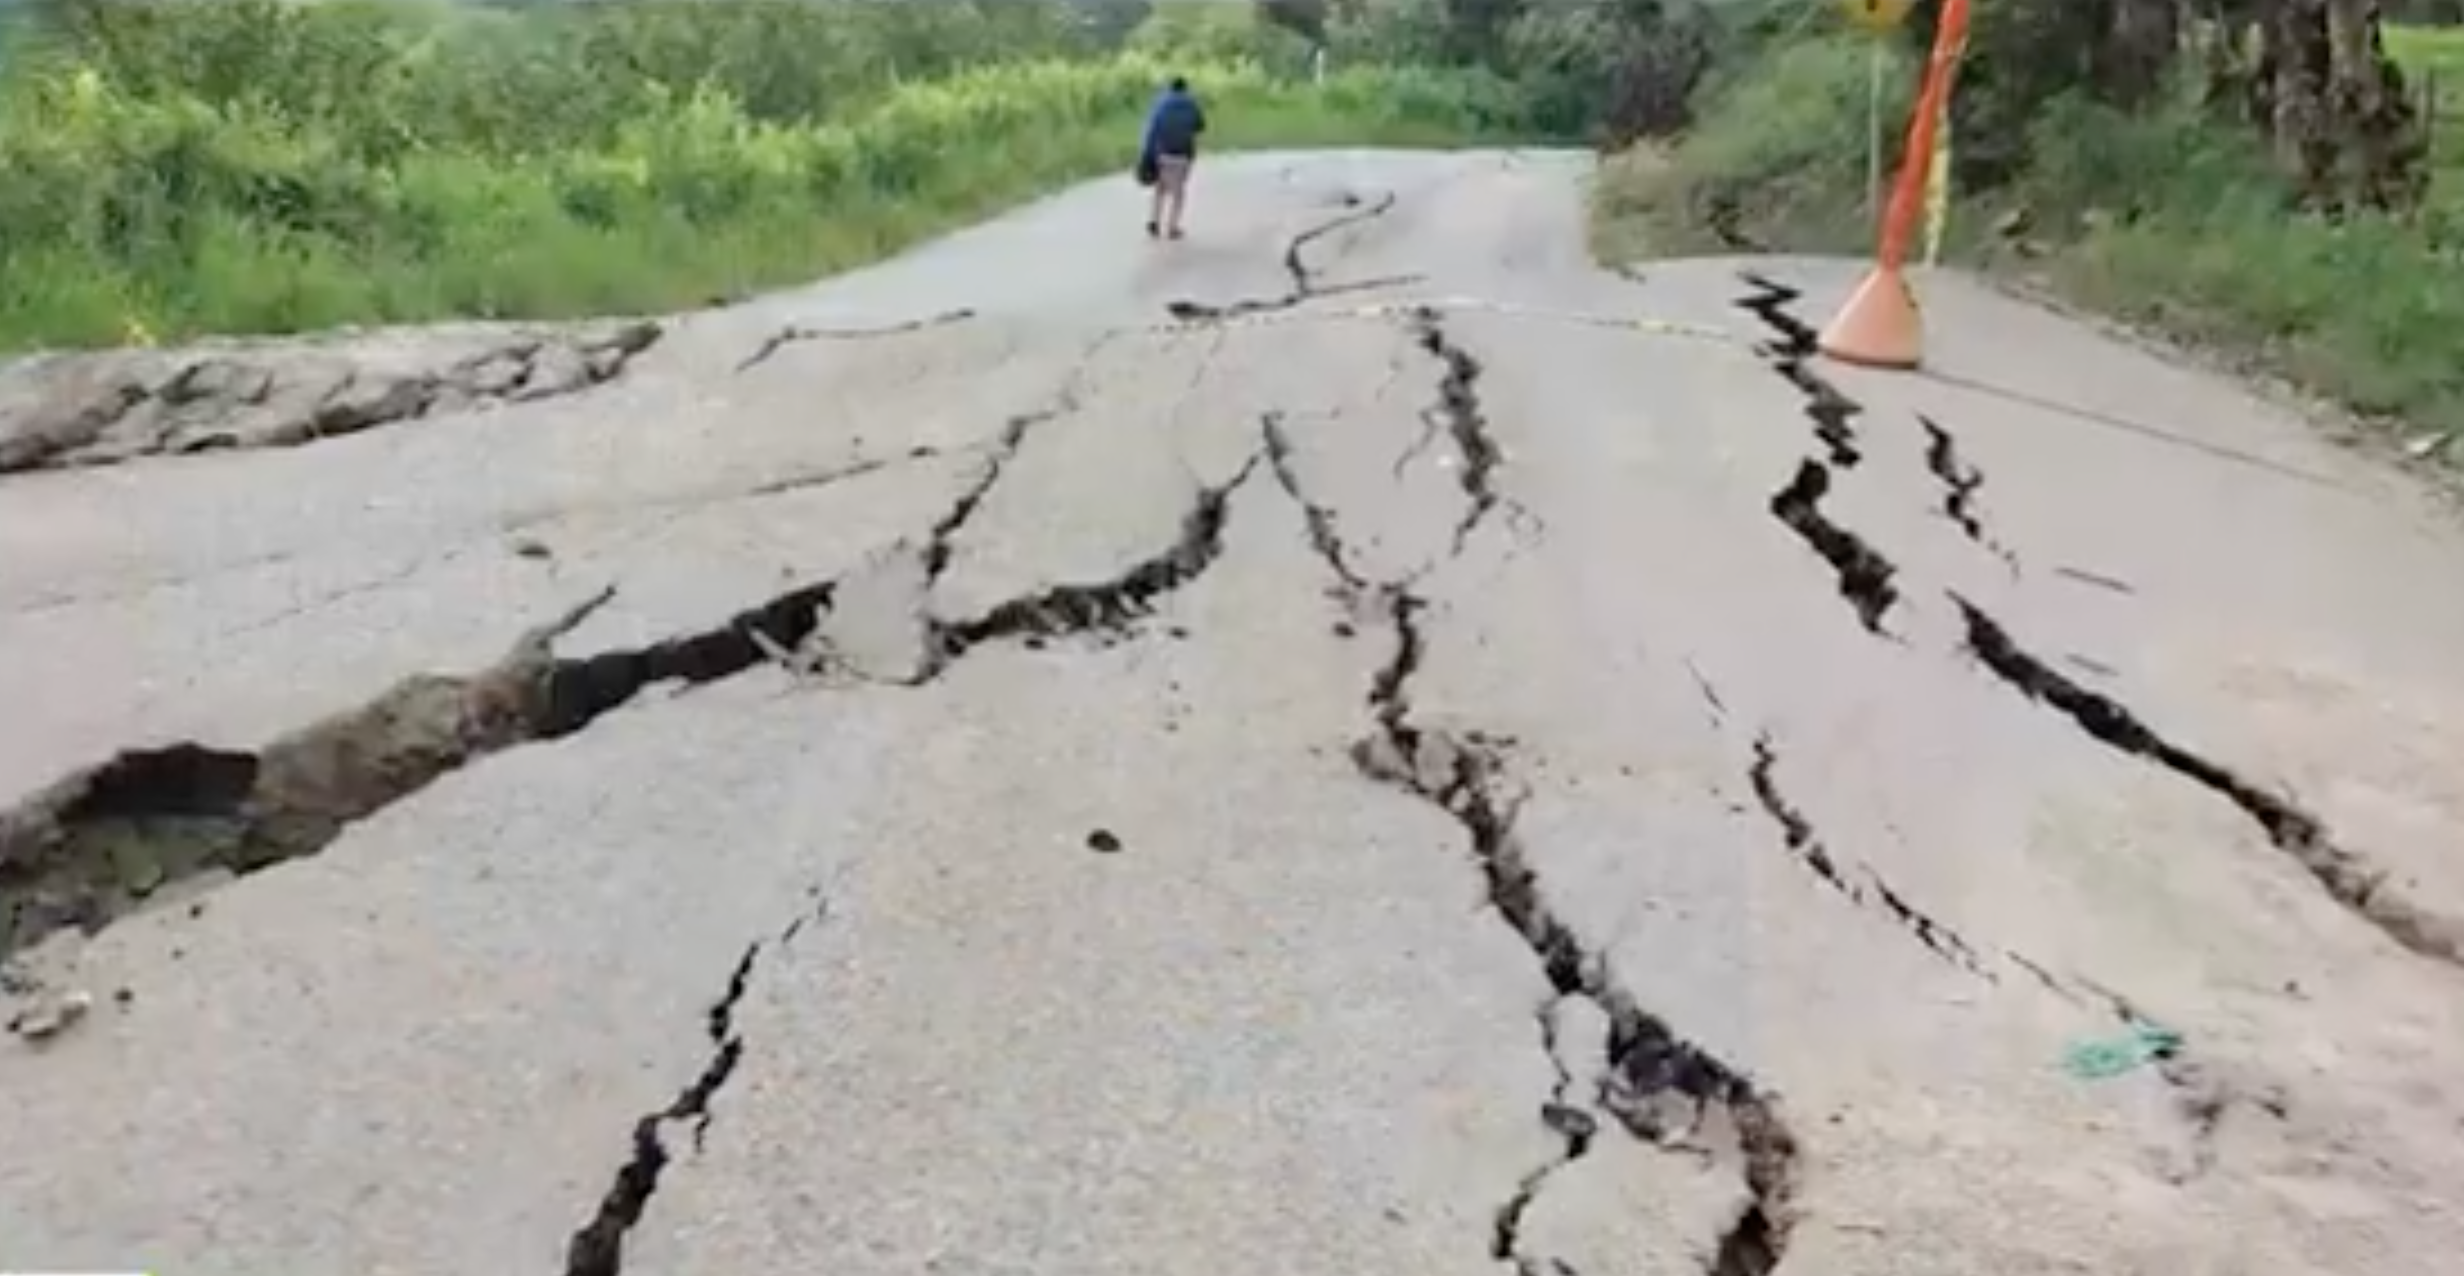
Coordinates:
2162	162
266	166
2255	174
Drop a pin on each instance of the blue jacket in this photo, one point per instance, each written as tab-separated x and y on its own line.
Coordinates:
1173	125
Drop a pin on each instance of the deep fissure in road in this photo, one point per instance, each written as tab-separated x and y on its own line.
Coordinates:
94	845
1864	574
1458	411
1791	355
1648	1064
2345	876
1798	835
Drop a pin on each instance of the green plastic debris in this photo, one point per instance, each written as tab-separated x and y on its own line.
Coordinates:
2113	1056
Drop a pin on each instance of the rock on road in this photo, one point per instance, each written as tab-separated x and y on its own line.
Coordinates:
1357	743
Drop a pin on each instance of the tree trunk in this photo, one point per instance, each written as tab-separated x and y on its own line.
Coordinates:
2304	123
2141	38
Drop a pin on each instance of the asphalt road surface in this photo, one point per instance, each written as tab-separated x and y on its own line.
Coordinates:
1359	744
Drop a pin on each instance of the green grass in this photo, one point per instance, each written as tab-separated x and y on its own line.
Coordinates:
316	177
2164	220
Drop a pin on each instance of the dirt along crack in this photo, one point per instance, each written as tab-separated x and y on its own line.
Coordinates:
1649	1074
2345	876
94	845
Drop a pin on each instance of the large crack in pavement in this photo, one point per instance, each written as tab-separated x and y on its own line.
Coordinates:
1865	576
1306	285
2347	878
1792	355
1458	412
95	845
1661	1088
99	408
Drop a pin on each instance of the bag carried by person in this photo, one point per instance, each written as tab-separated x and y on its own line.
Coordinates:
1148	172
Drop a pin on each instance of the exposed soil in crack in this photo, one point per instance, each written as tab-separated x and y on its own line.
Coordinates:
99	408
1864	574
793	334
1798	835
1791	355
93	846
2345	876
1658	1086
1960	483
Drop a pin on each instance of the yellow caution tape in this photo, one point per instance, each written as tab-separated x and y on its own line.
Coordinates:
1938	186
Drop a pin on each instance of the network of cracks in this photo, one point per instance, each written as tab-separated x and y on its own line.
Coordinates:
193	807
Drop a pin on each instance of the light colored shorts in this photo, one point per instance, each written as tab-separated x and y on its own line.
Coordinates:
1172	172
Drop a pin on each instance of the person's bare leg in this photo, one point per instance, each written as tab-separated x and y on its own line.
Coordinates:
1179	198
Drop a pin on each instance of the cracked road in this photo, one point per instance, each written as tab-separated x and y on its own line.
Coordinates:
1360	743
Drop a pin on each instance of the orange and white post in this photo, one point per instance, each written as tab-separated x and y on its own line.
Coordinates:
1880	326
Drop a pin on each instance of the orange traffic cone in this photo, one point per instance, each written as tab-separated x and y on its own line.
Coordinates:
1879	327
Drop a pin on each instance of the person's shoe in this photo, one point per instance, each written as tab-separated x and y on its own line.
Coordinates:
1151	230
1174	233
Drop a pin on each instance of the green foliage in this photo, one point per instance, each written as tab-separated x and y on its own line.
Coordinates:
266	166
1778	153
2163	215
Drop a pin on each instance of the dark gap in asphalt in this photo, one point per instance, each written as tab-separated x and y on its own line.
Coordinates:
1864	574
2346	877
1960	483
1648	1068
95	845
1791	355
1805	845
1458	411
1305	286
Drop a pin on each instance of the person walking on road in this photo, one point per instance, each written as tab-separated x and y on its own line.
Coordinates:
1168	151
